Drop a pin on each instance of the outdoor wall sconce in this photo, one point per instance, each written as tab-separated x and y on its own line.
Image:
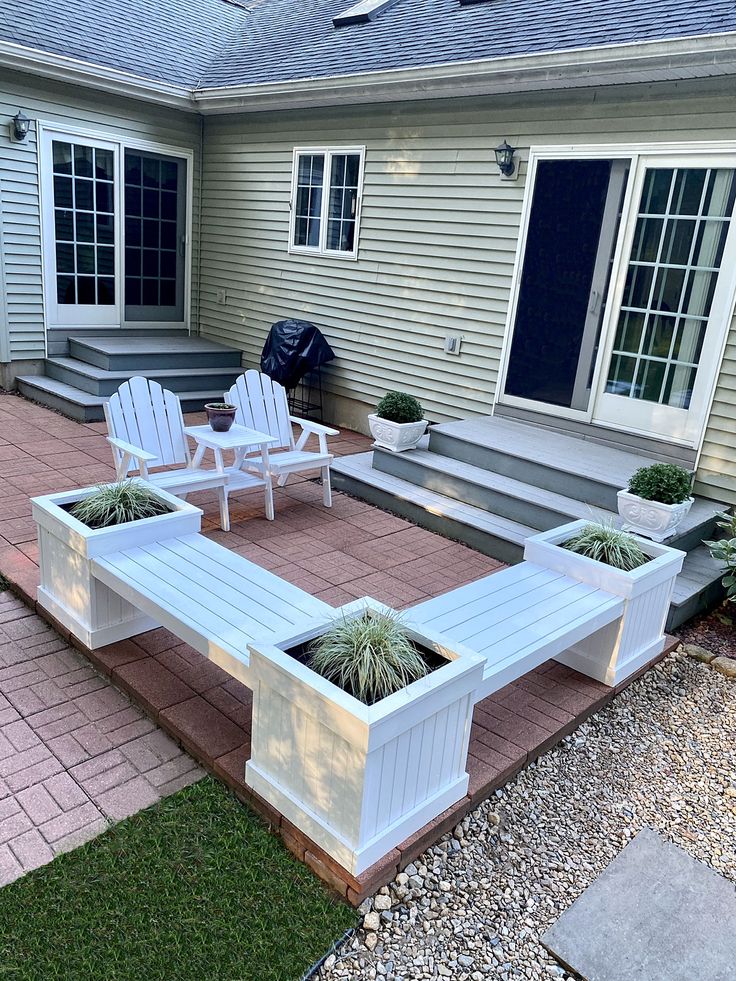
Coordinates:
505	159
19	126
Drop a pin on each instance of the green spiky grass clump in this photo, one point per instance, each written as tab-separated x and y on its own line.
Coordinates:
609	545
369	657
114	504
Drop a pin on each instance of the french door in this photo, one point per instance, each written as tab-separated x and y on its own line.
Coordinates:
114	233
625	291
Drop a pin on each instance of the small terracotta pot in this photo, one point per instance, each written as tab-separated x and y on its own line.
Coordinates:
219	419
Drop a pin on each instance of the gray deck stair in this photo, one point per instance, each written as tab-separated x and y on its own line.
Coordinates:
77	381
492	483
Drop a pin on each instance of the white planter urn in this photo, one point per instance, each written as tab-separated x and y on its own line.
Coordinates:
617	651
651	519
94	614
396	436
359	779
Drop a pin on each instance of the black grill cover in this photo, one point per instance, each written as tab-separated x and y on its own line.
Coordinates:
292	348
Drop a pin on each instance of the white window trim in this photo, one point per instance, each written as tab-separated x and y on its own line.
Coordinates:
321	249
122	143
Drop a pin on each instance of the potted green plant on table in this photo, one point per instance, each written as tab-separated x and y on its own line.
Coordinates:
640	571
78	526
220	416
656	501
361	725
398	423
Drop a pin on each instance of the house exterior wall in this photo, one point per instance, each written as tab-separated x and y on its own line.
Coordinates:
438	239
20	229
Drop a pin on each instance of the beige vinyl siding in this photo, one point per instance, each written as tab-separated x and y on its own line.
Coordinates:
438	236
19	192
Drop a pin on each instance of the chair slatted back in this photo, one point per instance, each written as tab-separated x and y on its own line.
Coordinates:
143	413
262	405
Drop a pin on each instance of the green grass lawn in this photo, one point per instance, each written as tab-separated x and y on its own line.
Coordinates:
193	889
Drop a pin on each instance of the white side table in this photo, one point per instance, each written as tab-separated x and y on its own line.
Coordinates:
239	439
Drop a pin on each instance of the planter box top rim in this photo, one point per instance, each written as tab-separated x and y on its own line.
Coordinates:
659	554
417	422
626	493
51	504
463	661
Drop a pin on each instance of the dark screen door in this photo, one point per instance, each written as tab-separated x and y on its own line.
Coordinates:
570	239
155	214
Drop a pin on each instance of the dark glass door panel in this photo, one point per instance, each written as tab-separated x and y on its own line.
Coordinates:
573	221
155	216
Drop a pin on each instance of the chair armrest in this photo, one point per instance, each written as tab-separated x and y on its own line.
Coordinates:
135	451
314	427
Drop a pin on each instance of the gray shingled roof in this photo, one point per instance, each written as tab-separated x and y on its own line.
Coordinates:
205	43
284	40
166	40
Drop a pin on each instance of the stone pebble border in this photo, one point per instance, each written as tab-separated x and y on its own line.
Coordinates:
724	665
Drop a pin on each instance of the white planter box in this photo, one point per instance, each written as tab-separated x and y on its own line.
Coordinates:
396	436
614	653
68	590
359	779
651	518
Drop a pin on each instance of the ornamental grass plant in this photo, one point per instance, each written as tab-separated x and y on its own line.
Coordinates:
369	656
116	504
604	543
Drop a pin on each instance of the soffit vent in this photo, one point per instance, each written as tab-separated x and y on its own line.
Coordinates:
361	13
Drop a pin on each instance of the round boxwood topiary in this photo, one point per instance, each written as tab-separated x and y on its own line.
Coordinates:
399	407
665	483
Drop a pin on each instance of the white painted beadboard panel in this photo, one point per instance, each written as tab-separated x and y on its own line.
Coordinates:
437	240
105	114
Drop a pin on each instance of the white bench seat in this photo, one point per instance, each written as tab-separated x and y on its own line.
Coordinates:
519	618
215	600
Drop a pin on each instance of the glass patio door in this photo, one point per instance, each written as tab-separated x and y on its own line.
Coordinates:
81	231
674	297
154	203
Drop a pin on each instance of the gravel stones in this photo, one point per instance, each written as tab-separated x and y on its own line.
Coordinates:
726	665
662	755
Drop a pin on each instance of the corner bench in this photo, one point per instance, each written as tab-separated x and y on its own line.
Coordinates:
519	618
210	597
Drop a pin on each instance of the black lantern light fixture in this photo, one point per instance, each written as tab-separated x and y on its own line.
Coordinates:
20	125
505	159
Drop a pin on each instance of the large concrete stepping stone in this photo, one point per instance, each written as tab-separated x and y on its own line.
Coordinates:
655	914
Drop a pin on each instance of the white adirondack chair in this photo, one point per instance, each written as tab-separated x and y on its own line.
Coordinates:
146	429
262	405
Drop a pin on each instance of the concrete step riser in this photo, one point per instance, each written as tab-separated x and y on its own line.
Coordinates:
132	361
217	381
407	467
491	545
580	488
705	599
81	413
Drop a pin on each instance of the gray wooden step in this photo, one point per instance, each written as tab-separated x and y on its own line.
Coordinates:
524	503
121	352
697	588
567	465
100	381
499	537
85	407
57	338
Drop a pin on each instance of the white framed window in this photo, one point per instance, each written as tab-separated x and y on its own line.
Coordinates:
326	192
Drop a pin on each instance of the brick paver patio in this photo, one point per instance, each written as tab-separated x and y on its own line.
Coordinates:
338	554
75	754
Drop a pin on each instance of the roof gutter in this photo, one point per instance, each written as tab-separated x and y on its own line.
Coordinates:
701	56
98	77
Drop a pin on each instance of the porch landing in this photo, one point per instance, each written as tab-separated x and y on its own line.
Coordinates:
492	482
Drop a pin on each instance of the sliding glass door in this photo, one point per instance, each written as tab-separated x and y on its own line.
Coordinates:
114	233
624	292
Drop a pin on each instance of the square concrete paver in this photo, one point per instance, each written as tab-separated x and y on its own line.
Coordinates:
655	914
